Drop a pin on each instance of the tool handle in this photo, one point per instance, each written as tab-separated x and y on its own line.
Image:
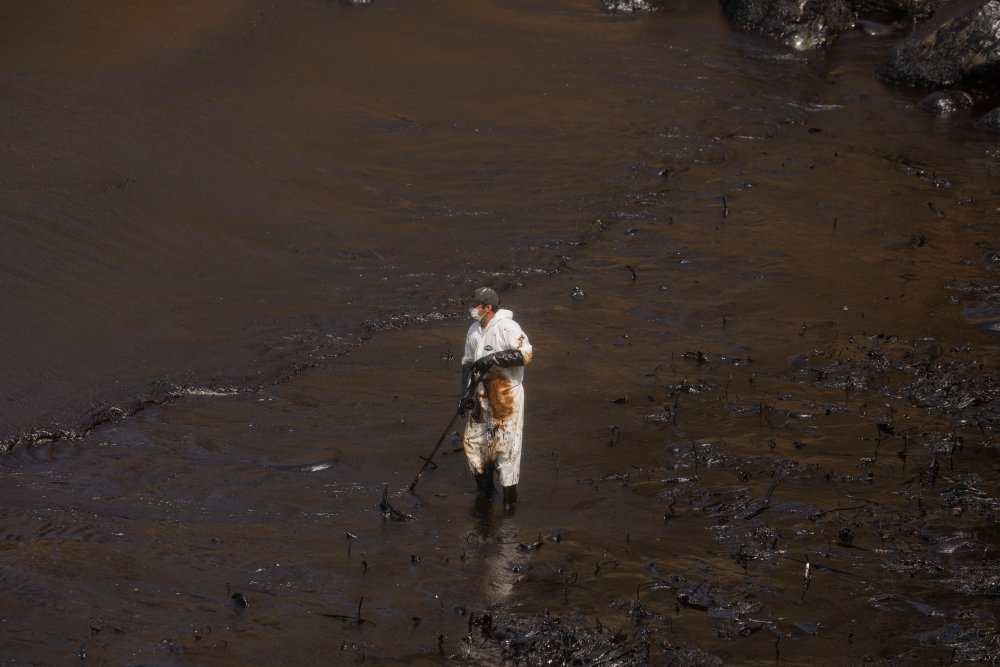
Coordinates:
427	461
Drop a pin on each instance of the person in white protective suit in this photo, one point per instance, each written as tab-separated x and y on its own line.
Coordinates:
496	352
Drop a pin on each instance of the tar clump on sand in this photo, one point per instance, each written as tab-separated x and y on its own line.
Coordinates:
546	640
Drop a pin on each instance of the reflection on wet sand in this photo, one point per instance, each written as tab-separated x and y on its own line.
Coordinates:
495	531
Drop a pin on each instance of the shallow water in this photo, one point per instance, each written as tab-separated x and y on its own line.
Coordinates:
234	241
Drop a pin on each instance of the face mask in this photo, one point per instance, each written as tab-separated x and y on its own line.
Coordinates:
475	314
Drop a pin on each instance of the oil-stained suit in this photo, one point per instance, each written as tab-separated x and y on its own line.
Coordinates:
493	434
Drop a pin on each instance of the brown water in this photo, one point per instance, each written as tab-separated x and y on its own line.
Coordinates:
234	238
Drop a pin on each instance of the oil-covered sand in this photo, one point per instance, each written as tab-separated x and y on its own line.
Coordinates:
760	286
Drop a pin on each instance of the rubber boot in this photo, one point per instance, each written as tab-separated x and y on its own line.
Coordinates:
509	495
484	484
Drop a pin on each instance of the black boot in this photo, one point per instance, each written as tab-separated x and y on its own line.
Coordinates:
484	484
510	495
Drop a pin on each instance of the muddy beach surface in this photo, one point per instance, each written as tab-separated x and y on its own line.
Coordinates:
761	288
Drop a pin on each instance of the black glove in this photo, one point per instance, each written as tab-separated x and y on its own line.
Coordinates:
470	378
503	359
466	404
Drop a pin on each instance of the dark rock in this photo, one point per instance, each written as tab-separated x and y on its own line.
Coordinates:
918	10
627	6
810	24
952	49
946	101
801	24
990	121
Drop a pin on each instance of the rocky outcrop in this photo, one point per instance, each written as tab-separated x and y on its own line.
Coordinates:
956	52
810	24
801	24
960	49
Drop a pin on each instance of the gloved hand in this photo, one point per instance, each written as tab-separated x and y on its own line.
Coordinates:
465	405
483	364
503	359
470	378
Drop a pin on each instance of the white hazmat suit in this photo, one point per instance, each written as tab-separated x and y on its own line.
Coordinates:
494	430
